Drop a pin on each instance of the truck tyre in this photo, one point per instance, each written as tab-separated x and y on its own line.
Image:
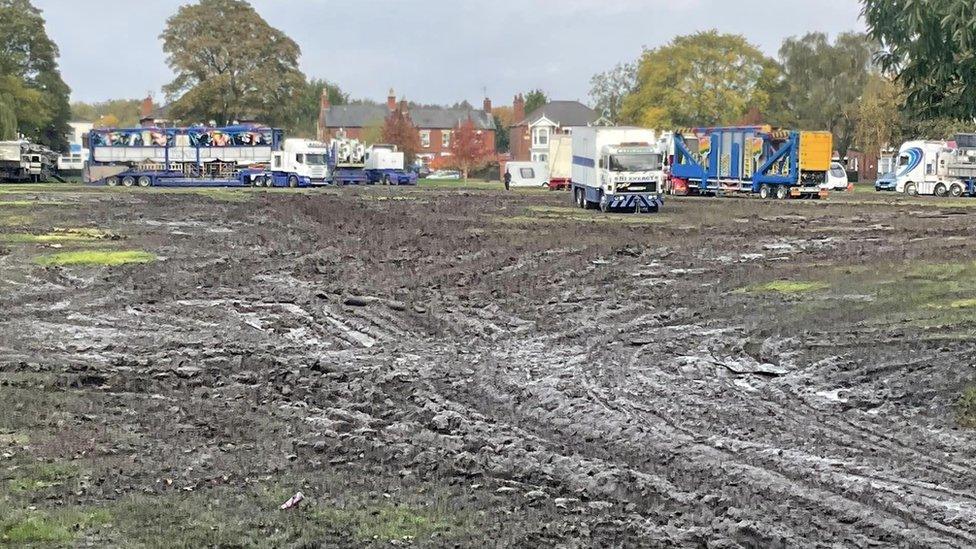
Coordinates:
386	179
782	192
128	181
293	181
578	196
145	181
940	189
955	190
764	192
911	189
112	181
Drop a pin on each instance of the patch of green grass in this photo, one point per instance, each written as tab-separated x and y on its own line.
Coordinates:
102	258
58	235
385	523
16	220
788	287
27	203
47	526
40	476
966	408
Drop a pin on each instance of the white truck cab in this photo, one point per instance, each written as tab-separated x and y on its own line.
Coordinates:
303	157
617	168
917	166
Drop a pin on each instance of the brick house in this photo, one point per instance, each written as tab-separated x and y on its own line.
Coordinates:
530	134
435	124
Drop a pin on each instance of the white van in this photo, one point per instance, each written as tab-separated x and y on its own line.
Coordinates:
836	178
528	174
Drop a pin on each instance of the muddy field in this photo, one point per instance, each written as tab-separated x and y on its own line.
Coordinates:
444	367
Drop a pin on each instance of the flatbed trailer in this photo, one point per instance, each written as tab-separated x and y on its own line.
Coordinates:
756	160
243	178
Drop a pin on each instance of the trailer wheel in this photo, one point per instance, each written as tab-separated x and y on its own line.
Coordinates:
940	190
781	192
128	181
145	181
955	190
911	189
292	181
580	201
386	179
112	182
764	192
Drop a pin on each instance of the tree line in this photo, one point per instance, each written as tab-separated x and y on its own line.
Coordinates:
913	75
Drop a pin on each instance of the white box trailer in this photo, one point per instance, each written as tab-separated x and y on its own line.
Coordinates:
560	161
384	157
619	168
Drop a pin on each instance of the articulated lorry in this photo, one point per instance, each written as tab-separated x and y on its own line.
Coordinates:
23	161
937	168
617	169
233	156
750	159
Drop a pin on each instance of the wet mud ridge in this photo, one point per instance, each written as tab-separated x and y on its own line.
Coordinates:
732	373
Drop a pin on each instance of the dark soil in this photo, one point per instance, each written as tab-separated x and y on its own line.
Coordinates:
475	368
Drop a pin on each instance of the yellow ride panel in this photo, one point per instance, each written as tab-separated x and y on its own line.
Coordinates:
816	151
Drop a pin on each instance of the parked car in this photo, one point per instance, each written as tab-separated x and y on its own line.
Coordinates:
837	178
444	174
885	182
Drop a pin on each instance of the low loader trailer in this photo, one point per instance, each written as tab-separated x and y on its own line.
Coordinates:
756	160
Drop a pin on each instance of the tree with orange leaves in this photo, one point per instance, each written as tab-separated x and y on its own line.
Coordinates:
468	148
398	129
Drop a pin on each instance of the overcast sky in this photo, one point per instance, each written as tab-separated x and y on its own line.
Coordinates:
431	51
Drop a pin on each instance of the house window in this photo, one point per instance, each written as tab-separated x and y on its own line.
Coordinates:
540	157
445	139
425	139
540	136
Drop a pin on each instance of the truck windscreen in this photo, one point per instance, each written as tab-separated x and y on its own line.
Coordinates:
315	159
635	162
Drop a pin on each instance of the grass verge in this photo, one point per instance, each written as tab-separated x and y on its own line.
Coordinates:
100	258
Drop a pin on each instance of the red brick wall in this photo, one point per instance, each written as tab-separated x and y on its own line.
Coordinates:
519	144
436	140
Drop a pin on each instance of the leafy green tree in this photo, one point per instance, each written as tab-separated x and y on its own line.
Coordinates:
124	112
29	75
931	46
703	79
8	119
503	135
608	89
306	116
877	119
825	82
535	99
230	64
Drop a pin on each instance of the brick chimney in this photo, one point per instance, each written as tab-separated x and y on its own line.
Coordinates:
518	109
487	106
146	109
404	109
391	102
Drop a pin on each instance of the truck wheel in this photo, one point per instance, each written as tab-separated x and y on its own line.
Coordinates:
940	190
145	181
580	201
781	192
911	189
764	192
112	182
292	181
128	181
386	179
955	190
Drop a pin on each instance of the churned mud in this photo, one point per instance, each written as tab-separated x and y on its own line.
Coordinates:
440	367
